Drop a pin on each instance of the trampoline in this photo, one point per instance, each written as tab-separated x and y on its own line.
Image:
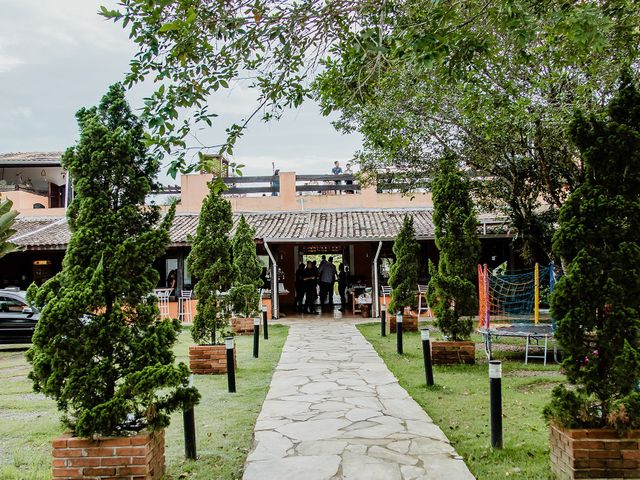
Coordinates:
509	307
537	337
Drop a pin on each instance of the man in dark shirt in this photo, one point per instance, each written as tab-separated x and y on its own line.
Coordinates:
342	286
327	276
300	288
310	278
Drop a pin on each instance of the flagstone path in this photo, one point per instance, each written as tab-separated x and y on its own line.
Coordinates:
335	411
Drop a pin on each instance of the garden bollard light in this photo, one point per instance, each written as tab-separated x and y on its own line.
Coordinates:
495	396
265	325
399	332
256	336
231	368
426	353
188	417
383	320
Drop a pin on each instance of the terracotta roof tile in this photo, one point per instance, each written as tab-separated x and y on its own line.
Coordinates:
27	158
354	225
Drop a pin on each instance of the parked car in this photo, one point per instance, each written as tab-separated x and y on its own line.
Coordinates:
18	319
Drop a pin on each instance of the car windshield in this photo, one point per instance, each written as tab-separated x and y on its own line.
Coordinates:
15	302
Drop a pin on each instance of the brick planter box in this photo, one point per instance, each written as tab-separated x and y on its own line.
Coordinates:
409	323
453	353
594	453
137	457
242	325
209	359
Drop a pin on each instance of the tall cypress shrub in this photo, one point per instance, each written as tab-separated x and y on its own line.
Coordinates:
597	303
245	292
403	275
452	292
100	349
210	261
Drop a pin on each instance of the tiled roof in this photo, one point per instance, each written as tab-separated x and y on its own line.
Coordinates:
328	225
338	225
41	233
30	158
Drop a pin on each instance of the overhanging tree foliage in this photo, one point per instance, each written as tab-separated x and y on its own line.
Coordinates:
597	303
210	262
245	292
193	48
496	94
403	275
100	349
7	219
492	81
452	292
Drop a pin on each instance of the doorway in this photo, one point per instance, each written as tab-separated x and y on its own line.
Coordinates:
315	253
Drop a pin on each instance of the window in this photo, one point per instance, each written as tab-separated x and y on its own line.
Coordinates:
11	305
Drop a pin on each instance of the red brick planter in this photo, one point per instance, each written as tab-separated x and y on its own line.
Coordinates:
137	457
209	359
409	323
594	453
242	325
453	353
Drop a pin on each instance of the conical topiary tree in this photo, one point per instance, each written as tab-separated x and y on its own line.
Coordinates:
597	303
7	218
245	293
403	275
451	290
210	261
100	349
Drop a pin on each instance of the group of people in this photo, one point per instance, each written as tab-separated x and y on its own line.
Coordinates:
337	170
312	277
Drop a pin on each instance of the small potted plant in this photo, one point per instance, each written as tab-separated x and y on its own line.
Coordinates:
210	261
245	294
403	277
100	349
452	292
594	425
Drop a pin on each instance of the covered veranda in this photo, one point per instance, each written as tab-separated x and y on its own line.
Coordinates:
360	238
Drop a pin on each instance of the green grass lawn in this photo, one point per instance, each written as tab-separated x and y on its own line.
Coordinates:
459	404
224	421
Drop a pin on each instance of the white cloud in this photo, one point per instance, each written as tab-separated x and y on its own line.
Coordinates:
9	63
59	55
20	112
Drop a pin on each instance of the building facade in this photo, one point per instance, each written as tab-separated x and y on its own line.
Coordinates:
296	218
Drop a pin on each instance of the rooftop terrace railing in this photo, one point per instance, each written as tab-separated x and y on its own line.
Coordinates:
309	184
251	185
305	185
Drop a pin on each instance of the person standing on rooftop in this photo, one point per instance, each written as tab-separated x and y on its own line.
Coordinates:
348	171
337	170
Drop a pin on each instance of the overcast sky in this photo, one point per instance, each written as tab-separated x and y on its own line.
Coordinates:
59	55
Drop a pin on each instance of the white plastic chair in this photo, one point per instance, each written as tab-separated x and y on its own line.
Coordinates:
184	305
163	301
386	292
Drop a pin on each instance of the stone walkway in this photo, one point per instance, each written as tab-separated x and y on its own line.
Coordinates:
335	411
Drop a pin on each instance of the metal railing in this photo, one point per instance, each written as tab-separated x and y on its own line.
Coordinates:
239	185
326	183
305	184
